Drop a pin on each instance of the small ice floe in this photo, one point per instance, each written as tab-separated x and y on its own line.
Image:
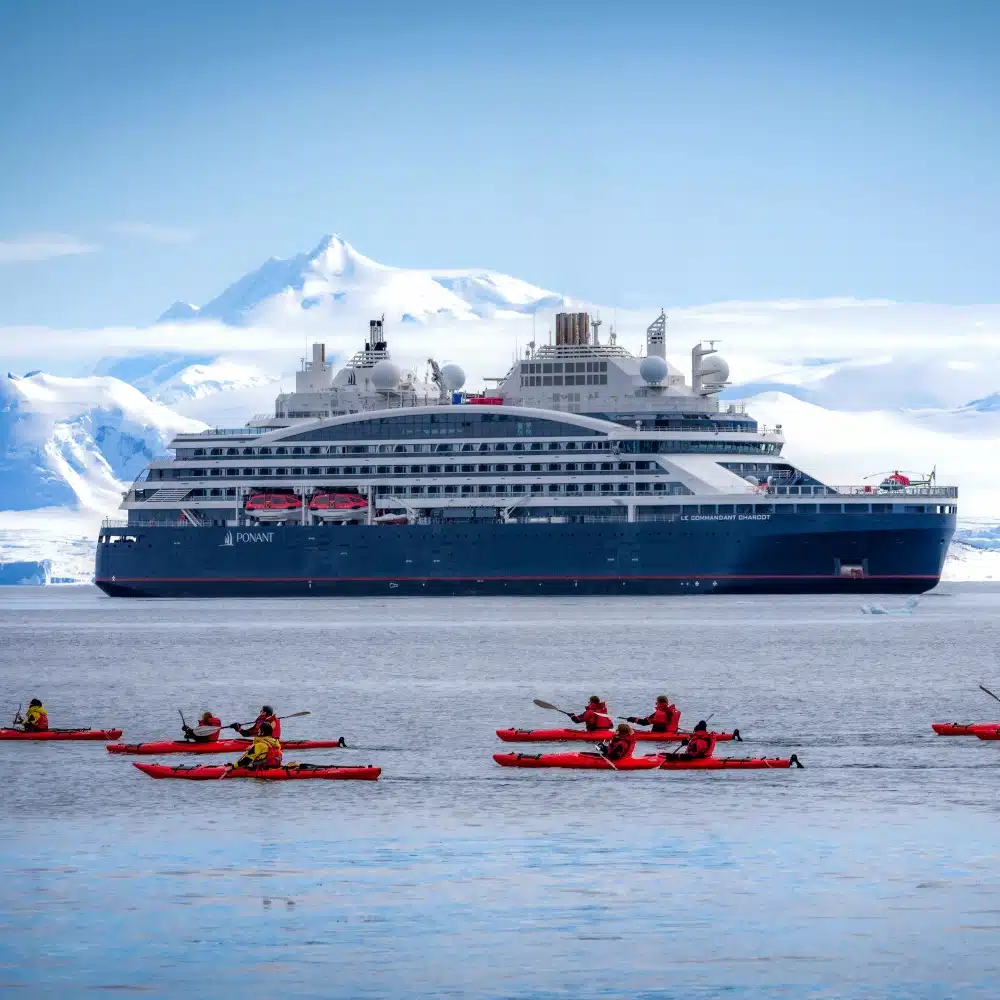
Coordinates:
877	609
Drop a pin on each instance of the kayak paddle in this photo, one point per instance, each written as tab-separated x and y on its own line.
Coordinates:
989	692
551	707
17	716
243	725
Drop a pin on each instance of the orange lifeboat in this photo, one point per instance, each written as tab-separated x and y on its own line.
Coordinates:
338	506
273	506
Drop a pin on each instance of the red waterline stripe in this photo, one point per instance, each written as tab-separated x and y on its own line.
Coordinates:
493	579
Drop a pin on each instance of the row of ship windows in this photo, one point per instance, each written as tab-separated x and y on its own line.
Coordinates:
642	447
397	449
505	489
533	380
559	367
405	470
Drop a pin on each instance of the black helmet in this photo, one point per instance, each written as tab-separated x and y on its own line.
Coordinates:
702	727
34	703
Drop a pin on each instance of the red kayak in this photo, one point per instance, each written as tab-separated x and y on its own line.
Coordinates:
962	728
62	734
219	746
988	731
581	735
288	772
596	762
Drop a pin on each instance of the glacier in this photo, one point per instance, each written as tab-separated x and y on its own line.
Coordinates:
859	387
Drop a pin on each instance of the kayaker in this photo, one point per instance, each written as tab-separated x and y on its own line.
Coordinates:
595	716
36	719
664	719
622	745
206	720
266	716
264	752
701	743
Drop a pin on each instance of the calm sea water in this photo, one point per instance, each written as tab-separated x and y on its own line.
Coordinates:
873	872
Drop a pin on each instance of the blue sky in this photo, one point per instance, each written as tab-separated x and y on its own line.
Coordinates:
635	154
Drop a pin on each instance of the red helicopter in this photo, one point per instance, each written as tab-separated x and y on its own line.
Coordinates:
898	480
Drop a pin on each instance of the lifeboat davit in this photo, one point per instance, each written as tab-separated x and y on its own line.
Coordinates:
338	506
273	506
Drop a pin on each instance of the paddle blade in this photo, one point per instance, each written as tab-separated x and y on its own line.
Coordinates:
551	707
294	715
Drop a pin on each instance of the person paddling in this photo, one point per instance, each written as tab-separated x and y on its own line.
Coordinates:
265	751
267	717
664	719
595	716
622	745
36	719
701	743
206	721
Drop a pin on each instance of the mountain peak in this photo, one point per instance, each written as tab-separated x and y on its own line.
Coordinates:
333	275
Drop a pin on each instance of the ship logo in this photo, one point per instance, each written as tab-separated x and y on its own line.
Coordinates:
227	539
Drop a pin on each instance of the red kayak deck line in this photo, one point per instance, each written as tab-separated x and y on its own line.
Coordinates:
289	772
595	762
581	735
962	728
219	746
62	734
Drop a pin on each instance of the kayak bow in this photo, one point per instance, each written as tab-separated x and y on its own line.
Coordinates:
595	762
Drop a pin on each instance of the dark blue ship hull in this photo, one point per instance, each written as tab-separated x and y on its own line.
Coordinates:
797	553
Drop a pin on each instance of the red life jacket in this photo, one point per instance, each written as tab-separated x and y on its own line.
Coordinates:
701	745
665	719
275	725
37	720
595	718
212	721
620	747
273	757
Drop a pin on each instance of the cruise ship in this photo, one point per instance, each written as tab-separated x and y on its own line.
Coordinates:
586	470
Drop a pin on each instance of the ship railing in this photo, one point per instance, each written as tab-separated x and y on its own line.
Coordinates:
861	491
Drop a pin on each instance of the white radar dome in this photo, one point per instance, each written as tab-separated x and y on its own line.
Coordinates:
714	369
453	377
385	375
653	369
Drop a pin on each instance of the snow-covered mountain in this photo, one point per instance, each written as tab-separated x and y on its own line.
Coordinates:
334	277
73	442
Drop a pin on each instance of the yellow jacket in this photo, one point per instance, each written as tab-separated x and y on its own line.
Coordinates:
265	749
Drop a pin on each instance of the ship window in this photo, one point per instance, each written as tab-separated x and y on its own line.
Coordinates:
877	508
604	366
707	509
744	508
546	380
805	508
416	491
536	467
642	487
554	446
572	488
588	488
281	472
553	467
500	468
199	453
763	508
441	448
689	510
624	466
606	487
517	468
485	489
451	489
315	450
571	466
230	493
911	508
265	451
553	487
726	508
467	489
517	446
855	508
536	446
433	490
602	379
589	466
607	466
483	468
547	370
557	380
537	487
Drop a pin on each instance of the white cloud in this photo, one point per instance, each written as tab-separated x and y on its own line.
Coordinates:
42	246
153	233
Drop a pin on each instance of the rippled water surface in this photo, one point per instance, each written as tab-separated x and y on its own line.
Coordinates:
873	872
